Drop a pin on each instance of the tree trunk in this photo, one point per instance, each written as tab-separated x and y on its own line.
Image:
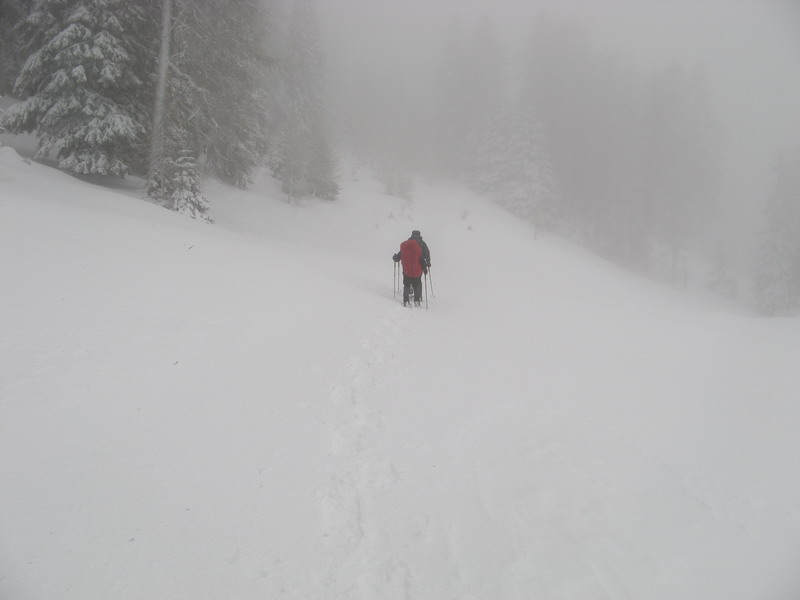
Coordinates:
157	139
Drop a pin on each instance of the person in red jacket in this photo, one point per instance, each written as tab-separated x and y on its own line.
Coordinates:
416	258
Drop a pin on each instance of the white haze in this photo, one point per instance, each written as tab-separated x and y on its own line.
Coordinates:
383	53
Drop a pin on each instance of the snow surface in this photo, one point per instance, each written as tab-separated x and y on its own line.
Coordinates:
244	411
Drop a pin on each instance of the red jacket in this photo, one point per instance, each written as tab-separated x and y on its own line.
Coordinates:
410	256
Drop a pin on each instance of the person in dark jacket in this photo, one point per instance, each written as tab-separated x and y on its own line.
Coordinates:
415	257
426	253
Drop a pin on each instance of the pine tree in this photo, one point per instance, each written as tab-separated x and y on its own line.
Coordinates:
484	77
531	189
226	57
680	157
451	118
471	88
557	87
511	164
11	14
396	180
307	164
720	279
777	280
174	176
82	84
321	176
612	212
182	184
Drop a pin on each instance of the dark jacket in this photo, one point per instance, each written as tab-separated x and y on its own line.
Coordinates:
426	253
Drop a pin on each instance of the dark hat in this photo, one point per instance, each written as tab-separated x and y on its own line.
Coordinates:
416	233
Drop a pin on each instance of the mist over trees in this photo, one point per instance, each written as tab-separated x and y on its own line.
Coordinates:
103	99
306	164
211	107
777	280
622	158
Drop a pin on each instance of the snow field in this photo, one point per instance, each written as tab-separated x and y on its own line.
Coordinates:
244	411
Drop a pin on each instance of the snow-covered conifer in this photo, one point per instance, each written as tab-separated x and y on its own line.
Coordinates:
720	278
308	167
396	180
531	187
174	176
471	86
322	167
777	280
450	114
680	156
11	13
83	84
183	182
511	164
225	54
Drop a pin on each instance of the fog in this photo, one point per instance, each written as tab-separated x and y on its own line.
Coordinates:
382	55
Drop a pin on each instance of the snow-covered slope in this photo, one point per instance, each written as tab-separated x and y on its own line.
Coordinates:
243	411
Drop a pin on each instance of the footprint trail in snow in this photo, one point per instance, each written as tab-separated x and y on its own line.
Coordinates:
359	474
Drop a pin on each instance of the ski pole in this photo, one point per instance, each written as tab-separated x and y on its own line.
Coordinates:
430	274
426	291
394	280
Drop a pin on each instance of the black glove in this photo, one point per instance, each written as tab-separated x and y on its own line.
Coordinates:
396	257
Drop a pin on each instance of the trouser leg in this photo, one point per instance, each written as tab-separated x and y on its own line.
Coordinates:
418	289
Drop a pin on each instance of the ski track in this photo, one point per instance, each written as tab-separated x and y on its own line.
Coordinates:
387	538
359	475
538	551
510	534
